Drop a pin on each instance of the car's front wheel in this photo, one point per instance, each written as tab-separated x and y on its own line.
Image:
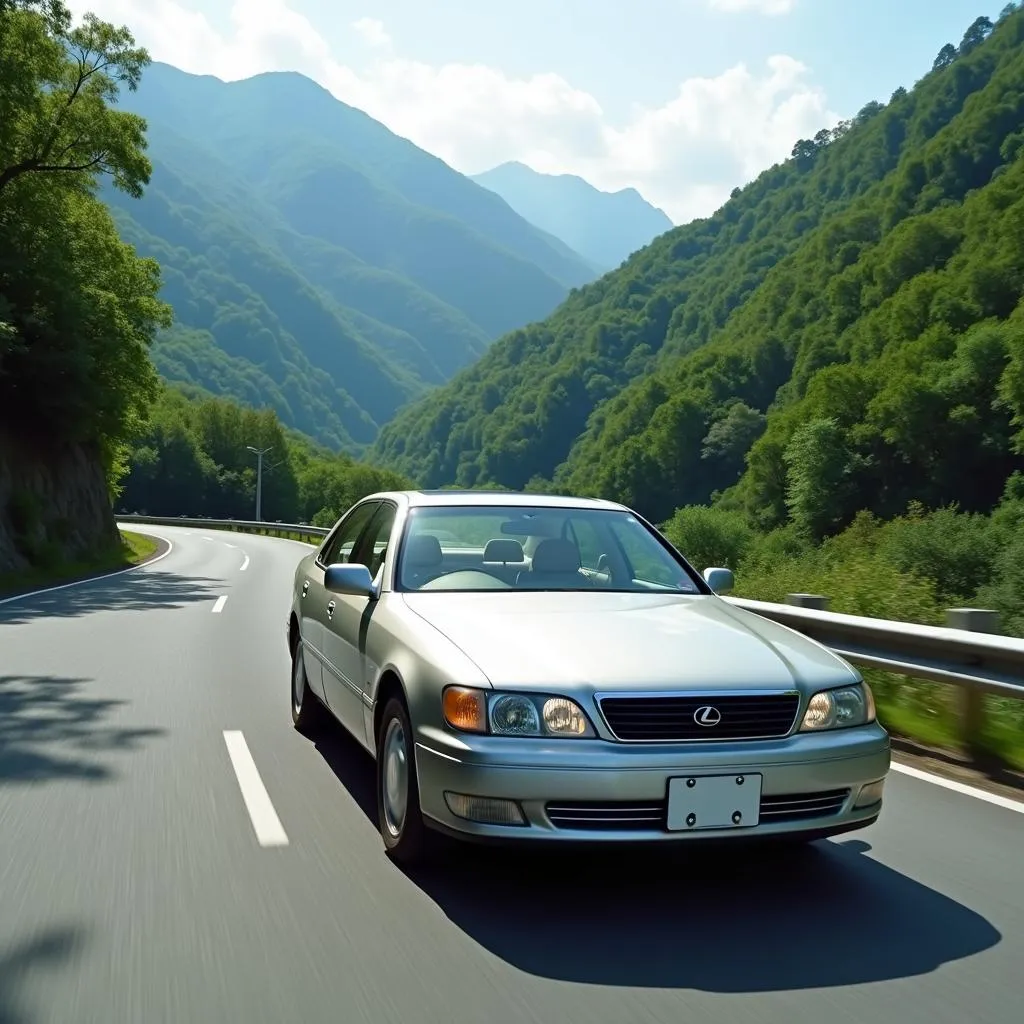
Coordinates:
398	794
308	714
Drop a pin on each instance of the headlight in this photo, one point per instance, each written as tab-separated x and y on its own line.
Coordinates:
513	714
839	709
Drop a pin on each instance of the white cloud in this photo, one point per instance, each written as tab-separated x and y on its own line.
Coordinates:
769	7
685	156
372	31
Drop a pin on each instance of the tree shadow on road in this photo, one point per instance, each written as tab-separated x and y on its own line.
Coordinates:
133	591
49	730
730	921
46	951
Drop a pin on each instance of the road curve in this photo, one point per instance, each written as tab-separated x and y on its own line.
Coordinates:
140	884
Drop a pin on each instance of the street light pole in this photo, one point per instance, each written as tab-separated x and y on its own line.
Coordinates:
259	453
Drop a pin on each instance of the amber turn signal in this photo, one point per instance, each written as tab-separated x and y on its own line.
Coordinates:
465	709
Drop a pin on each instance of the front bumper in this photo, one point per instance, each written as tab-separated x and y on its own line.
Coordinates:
598	791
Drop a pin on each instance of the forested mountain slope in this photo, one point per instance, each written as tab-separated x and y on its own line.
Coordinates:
316	262
877	247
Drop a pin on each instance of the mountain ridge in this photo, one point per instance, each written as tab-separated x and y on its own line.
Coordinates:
317	262
605	227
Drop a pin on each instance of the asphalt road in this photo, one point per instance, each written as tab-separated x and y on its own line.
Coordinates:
134	889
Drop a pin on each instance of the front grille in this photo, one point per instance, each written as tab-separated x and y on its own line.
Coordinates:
668	719
609	815
650	815
802	806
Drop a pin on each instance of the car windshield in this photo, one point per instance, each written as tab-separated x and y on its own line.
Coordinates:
535	548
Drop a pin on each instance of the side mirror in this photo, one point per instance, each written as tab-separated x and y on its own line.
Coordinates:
721	581
350	578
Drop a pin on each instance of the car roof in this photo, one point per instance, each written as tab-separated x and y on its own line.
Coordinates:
466	498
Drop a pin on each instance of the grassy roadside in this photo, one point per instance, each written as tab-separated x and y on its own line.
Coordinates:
134	549
927	714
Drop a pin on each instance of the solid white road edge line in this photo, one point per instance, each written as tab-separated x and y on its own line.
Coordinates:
265	822
245	564
958	787
95	579
218	605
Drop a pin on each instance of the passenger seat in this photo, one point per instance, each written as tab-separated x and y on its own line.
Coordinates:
556	564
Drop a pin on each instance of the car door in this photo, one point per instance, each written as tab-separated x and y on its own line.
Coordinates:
339	549
350	617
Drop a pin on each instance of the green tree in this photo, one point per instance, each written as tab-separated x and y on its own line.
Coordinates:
945	57
819	465
81	307
78	308
975	35
59	86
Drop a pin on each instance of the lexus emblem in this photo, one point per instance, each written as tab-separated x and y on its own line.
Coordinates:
707	716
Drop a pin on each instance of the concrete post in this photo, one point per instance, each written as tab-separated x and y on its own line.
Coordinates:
971	701
815	601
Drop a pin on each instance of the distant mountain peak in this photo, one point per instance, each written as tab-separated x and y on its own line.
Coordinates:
605	227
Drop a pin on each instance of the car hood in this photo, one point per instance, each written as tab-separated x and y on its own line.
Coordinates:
625	641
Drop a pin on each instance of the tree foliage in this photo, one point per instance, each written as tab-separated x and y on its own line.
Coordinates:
192	457
79	307
844	334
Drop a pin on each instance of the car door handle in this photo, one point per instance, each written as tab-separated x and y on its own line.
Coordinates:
330	609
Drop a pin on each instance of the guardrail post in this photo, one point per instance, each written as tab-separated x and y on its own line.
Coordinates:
972	705
815	601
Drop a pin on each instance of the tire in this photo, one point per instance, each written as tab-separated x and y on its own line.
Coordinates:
405	836
308	714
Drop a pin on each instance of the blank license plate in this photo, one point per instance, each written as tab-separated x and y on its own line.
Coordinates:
697	802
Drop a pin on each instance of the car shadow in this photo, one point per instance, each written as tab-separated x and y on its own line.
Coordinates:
743	920
44	952
50	730
134	591
352	766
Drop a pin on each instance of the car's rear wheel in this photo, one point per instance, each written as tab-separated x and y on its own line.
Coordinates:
398	794
308	714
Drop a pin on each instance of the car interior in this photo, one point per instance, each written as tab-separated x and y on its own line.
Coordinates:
547	559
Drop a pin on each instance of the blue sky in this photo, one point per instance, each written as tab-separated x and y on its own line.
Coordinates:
682	99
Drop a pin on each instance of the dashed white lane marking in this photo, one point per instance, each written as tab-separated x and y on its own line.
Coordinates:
265	822
958	787
218	605
244	565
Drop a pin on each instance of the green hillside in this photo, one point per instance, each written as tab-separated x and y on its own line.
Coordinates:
872	278
317	263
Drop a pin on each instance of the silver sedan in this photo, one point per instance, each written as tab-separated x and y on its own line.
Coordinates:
548	668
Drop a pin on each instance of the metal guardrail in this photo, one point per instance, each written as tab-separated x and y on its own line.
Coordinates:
967	652
303	531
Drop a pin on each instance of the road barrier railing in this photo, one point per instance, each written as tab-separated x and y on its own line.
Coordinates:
968	652
293	531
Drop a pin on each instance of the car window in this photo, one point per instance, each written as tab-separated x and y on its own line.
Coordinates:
586	537
373	544
535	548
646	557
339	548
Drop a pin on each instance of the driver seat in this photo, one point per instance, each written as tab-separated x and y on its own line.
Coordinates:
422	555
